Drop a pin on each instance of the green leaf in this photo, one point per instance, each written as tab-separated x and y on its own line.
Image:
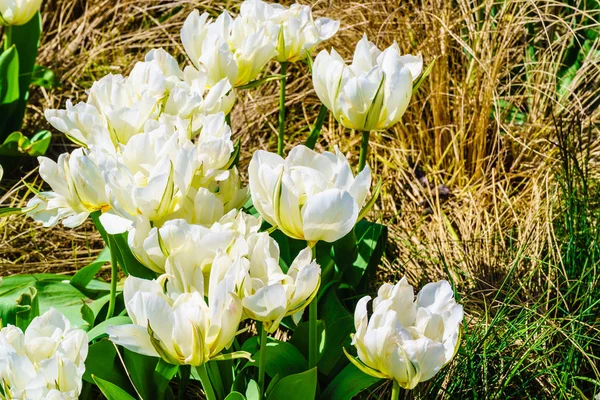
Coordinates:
44	77
26	39
52	291
281	357
110	390
252	390
28	307
348	383
39	143
371	245
104	362
141	370
300	339
87	314
163	374
9	87
16	144
423	76
302	386
100	330
235	396
130	264
85	275
367	207
9	76
312	138
339	324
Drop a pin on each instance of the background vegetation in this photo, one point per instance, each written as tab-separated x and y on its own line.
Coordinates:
490	180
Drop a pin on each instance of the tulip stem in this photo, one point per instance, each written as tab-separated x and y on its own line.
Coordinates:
313	346
282	108
7	37
205	380
114	276
364	149
261	362
395	390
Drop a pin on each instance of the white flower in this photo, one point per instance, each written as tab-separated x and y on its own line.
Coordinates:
162	175
236	49
268	294
179	242
182	328
77	188
18	12
45	362
404	339
373	92
308	196
295	33
155	91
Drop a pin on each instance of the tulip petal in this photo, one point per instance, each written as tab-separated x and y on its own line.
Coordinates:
114	224
132	337
329	215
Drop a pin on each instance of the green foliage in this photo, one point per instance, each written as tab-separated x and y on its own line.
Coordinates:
301	386
52	291
16	144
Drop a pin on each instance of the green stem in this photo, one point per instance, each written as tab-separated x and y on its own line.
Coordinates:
395	390
364	149
313	346
261	362
184	371
114	276
7	37
311	140
228	119
205	380
280	138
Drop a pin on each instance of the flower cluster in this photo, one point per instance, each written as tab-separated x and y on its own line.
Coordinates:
405	339
45	362
156	162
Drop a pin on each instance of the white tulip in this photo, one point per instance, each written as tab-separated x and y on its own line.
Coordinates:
18	12
404	339
373	92
45	362
269	295
237	49
179	241
156	91
77	188
308	196
182	328
295	32
82	123
149	178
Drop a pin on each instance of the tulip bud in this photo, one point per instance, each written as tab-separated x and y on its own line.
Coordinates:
308	196
372	93
404	339
47	361
18	12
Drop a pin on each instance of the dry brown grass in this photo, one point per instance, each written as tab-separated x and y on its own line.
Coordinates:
457	131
